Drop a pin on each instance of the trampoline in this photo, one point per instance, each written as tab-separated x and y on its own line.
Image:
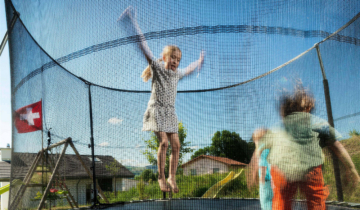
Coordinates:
199	204
78	100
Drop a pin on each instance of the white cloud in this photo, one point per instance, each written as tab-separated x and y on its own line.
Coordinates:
104	144
115	121
139	146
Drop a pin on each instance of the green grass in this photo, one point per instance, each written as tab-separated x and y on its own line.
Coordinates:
196	186
351	194
189	186
238	189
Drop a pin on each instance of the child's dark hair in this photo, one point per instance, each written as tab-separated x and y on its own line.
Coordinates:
300	101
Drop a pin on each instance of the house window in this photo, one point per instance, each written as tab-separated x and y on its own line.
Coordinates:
215	170
193	172
97	160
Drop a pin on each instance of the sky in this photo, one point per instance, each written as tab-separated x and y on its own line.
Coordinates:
5	107
230	58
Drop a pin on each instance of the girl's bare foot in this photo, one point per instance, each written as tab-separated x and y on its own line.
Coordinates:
163	186
173	186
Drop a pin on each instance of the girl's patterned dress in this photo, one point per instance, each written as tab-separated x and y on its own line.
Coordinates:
160	114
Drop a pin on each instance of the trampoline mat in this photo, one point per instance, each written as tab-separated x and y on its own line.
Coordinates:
207	204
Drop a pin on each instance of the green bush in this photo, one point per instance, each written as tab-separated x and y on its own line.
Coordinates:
189	186
146	175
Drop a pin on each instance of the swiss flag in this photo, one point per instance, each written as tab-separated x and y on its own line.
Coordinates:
29	118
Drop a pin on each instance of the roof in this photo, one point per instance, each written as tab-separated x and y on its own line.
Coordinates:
70	166
224	160
5	168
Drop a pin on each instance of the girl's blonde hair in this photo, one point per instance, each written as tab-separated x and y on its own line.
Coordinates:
146	74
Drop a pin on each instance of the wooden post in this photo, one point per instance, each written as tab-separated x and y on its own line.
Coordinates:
88	171
26	181
67	140
30	173
52	177
69	194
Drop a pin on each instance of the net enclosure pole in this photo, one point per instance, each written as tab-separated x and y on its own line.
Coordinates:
335	159
92	149
6	36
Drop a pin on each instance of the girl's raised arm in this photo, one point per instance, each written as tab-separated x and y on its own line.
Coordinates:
196	64
130	12
253	166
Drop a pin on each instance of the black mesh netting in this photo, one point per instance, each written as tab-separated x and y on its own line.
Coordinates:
66	53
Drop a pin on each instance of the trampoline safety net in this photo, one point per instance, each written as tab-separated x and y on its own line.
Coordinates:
78	100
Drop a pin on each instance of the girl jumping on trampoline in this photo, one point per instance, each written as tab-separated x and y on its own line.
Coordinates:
295	155
160	116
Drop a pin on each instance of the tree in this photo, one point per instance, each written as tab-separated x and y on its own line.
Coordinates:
201	151
113	168
152	146
354	133
230	145
147	175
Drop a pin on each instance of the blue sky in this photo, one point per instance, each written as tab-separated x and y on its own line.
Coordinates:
5	108
230	58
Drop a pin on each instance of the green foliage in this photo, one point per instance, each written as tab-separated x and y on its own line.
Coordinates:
351	194
113	167
57	194
141	188
147	175
354	133
198	192
201	151
152	146
189	186
238	188
230	145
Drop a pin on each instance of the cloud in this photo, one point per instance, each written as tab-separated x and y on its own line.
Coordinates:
139	146
104	144
115	121
194	147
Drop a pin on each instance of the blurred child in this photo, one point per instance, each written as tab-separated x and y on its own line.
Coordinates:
160	115
265	189
295	155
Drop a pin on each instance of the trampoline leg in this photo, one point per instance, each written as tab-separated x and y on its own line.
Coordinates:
164	195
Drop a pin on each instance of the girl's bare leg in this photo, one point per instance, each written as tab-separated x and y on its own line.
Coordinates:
174	160
161	159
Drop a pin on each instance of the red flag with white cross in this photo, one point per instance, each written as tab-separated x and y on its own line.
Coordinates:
29	118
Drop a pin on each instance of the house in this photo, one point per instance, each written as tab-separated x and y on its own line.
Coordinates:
5	157
206	164
110	174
